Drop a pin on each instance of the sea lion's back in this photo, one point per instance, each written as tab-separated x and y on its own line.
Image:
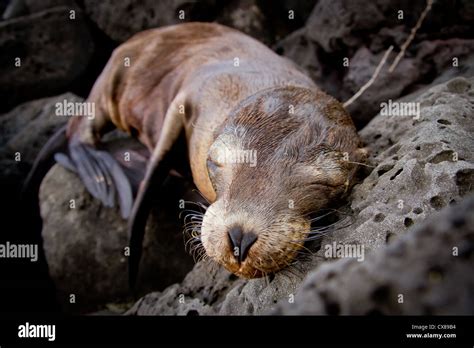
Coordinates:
214	65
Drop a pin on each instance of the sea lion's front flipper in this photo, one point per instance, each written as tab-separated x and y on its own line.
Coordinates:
157	171
43	162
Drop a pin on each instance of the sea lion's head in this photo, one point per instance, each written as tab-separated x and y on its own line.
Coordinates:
283	155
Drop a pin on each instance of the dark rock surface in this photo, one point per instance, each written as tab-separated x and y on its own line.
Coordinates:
50	59
347	30
120	20
85	245
426	272
25	130
18	8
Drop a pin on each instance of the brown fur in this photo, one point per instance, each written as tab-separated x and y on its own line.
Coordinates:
245	107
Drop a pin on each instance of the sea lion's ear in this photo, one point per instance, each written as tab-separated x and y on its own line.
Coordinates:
337	168
358	156
361	154
354	161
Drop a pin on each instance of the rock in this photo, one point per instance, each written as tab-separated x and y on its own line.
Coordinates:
85	243
453	57
426	272
31	68
347	25
301	9
84	258
268	22
25	130
120	20
416	169
415	175
18	8
361	33
299	49
38	6
332	23
432	58
265	22
248	17
193	296
386	86
27	127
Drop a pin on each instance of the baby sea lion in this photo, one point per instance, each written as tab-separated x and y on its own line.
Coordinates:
266	147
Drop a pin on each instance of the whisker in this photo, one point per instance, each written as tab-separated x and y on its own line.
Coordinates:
191	211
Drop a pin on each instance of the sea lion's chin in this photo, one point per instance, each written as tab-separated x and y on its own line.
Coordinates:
245	270
262	259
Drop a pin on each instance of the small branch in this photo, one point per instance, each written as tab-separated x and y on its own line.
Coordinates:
410	38
372	79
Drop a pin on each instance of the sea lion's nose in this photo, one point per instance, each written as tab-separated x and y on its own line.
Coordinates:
241	242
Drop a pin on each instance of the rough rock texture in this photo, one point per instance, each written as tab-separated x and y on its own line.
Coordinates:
426	272
120	20
433	58
85	244
40	73
24	130
266	21
416	171
346	25
415	175
248	17
358	34
18	8
183	299
298	48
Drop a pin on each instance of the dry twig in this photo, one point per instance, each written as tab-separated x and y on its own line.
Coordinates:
410	38
372	79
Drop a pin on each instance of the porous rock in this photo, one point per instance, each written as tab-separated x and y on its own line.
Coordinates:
426	272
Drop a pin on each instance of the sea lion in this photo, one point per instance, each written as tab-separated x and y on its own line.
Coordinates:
266	147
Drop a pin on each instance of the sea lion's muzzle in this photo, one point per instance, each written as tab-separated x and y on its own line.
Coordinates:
247	242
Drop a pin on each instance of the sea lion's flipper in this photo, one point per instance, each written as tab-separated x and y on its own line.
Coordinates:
43	162
101	174
64	160
157	171
154	178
